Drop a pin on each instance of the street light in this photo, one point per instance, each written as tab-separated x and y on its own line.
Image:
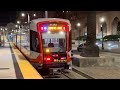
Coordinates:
28	16
22	14
2	29
5	28
16	33
78	25
18	22
16	26
102	20
34	15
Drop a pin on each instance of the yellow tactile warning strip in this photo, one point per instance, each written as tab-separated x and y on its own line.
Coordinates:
28	71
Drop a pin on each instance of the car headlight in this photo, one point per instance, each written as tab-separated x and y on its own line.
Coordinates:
109	44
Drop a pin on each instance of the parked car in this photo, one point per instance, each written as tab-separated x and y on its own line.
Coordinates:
80	47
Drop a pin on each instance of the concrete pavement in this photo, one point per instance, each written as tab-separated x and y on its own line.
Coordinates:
7	70
103	72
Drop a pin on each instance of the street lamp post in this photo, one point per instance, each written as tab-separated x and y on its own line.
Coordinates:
102	21
3	36
16	33
46	14
18	22
78	25
28	16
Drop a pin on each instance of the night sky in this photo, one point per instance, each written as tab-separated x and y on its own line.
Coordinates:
6	17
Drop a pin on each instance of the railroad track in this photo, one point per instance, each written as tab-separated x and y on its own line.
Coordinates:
69	75
82	74
61	75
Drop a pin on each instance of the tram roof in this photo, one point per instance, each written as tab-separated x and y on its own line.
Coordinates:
35	21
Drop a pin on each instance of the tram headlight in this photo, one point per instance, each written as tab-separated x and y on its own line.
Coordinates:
47	50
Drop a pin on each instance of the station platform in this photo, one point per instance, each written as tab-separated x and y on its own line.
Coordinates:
13	65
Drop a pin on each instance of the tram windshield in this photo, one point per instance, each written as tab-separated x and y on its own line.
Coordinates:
56	42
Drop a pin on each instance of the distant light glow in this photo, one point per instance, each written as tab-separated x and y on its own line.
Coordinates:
102	19
34	15
23	15
109	44
85	33
5	28
16	25
18	22
78	24
96	43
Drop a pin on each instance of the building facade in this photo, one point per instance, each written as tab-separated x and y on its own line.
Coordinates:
110	24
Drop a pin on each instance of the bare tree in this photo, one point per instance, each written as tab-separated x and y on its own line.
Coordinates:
10	27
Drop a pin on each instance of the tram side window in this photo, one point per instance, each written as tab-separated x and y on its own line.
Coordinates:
34	42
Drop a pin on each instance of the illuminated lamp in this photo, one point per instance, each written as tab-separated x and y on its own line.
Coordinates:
48	59
41	28
47	50
59	27
50	28
45	28
54	27
62	58
63	28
